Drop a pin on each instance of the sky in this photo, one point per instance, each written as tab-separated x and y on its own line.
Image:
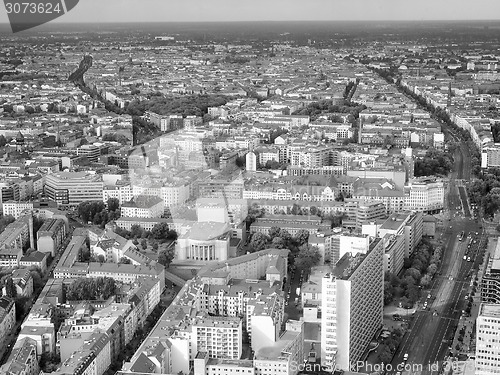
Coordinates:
277	10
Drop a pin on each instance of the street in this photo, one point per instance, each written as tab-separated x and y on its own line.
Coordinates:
432	330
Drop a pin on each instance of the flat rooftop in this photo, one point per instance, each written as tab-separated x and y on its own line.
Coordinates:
274	351
489	310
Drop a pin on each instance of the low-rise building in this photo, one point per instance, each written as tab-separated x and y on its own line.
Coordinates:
23	282
143	206
35	259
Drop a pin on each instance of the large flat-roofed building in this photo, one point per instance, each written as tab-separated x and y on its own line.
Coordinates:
290	223
352	306
408	224
424	195
73	188
360	212
490	282
487	348
221	188
490	156
394	253
91	152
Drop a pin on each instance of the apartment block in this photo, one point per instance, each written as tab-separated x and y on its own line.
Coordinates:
360	212
91	152
22	360
219	337
51	235
143	206
352	306
487	348
15	209
206	321
7	317
408	224
490	282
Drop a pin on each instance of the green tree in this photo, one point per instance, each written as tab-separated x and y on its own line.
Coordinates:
144	243
113	204
100	288
259	241
432	269
136	231
296	210
413	293
301	237
3	141
274	232
385	354
10	288
278	243
308	257
36	275
426	280
388	292
160	231
166	257
414	273
124	260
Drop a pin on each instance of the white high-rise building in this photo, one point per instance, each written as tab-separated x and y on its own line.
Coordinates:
425	195
487	341
251	161
352	306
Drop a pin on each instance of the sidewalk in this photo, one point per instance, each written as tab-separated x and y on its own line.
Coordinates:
468	345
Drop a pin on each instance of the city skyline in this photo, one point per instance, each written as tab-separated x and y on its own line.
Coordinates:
115	11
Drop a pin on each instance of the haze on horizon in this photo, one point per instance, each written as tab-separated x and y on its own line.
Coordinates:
278	10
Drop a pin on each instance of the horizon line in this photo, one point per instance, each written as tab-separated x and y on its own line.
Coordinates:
258	21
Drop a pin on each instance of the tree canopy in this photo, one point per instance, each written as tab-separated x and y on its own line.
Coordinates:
434	163
100	288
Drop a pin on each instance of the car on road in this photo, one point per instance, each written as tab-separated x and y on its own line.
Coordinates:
405	357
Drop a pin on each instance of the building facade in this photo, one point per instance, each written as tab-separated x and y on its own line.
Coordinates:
352	306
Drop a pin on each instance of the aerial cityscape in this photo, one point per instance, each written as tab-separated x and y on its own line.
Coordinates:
249	198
